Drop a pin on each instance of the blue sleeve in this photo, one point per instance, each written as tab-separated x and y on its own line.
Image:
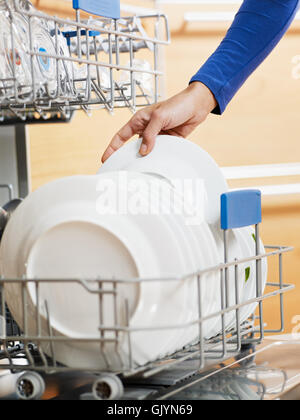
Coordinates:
258	27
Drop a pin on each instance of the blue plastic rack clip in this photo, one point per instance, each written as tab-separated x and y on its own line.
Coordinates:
106	8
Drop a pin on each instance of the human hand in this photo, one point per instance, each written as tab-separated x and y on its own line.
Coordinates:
177	116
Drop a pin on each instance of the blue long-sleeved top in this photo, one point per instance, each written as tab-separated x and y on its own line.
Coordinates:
258	27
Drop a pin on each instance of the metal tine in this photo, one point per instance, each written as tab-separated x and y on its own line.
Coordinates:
132	78
237	300
156	58
117	48
18	114
112	91
34	92
29	98
25	321
69	84
13	57
96	59
4	346
222	336
130	356
201	336
124	98
58	62
89	83
143	95
259	281
116	321
223	305
78	20
227	294
101	329
51	343
38	324
280	285
101	96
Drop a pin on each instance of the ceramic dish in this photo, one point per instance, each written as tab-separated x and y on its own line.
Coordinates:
162	194
39	222
205	254
47	67
23	27
176	159
191	241
65	67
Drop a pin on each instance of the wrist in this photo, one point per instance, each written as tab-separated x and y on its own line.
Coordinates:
203	97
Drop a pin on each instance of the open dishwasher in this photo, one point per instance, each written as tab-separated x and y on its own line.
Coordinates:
222	367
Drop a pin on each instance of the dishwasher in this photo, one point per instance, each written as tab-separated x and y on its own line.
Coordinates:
243	362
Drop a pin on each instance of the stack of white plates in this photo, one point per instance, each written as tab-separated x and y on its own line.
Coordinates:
131	221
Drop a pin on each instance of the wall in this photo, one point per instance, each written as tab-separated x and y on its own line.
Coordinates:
259	127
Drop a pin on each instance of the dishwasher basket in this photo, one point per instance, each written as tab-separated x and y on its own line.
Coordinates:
237	342
55	66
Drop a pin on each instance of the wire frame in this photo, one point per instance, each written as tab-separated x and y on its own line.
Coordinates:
37	342
54	65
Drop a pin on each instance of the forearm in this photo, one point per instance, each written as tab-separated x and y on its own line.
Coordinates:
256	30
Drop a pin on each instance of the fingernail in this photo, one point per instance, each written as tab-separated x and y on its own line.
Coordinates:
144	149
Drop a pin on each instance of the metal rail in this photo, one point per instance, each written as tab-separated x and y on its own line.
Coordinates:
226	345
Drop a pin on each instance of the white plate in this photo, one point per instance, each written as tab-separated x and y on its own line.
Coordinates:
197	257
169	305
23	28
68	201
201	246
168	207
47	67
22	60
66	67
205	254
175	159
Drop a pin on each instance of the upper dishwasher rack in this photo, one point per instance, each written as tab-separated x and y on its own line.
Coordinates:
52	66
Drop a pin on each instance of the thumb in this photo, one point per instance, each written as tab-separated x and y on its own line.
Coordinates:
149	136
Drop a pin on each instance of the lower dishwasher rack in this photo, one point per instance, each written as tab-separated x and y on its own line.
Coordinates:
206	364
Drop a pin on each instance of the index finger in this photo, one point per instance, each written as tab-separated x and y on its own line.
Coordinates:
119	139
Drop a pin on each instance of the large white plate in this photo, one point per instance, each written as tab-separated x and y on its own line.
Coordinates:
205	254
175	159
162	192
199	251
157	251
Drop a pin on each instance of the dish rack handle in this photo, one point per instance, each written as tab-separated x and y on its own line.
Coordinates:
240	209
106	8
